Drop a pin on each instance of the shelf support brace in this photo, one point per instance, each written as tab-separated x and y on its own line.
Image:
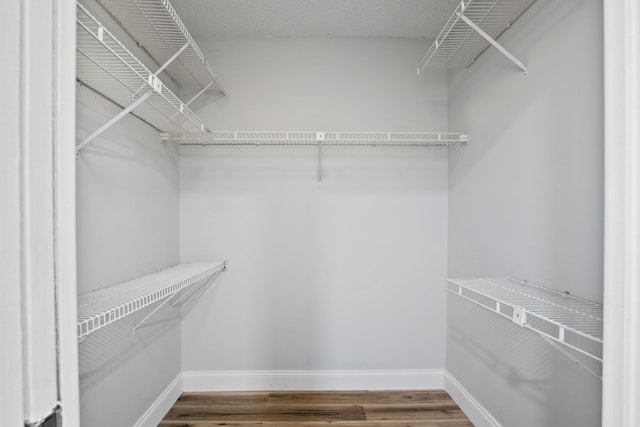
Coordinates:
203	90
491	40
319	163
111	122
206	282
170	60
155	310
180	298
574	359
154	77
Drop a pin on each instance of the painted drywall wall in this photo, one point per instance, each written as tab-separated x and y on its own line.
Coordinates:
345	275
526	200
324	84
127	226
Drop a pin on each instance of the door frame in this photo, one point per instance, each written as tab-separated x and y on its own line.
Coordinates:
621	365
38	300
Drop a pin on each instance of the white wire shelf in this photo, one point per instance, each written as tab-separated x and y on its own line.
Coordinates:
105	306
459	45
430	139
156	26
563	318
107	66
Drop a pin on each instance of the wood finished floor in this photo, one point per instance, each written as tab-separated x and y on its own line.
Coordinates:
432	408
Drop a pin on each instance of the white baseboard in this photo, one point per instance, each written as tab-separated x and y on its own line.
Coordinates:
164	402
312	380
477	413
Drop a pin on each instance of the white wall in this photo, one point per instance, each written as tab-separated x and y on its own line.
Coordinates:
348	275
127	226
324	84
127	198
526	200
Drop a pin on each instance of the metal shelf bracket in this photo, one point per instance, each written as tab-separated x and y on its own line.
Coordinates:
571	357
114	120
558	317
320	137
105	306
497	45
181	296
106	66
519	315
472	28
148	316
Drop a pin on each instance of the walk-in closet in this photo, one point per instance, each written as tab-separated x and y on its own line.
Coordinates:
336	212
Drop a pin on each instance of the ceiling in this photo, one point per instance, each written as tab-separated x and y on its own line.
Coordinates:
228	19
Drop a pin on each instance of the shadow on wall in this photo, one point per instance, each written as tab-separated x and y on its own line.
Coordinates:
533	387
347	167
545	386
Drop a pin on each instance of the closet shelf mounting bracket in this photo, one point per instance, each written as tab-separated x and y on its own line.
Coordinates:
101	308
472	28
567	321
109	68
495	44
113	121
156	86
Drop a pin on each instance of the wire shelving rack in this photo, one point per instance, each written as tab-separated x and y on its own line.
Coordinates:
563	318
238	138
156	26
103	307
473	26
320	140
107	66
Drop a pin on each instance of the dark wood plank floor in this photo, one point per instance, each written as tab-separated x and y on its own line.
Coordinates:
431	408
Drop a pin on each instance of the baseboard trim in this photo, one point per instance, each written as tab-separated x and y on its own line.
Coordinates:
312	380
478	414
158	409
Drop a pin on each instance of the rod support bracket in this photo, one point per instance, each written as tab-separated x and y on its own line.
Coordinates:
320	138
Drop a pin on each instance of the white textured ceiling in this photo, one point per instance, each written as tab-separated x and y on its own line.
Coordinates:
226	19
